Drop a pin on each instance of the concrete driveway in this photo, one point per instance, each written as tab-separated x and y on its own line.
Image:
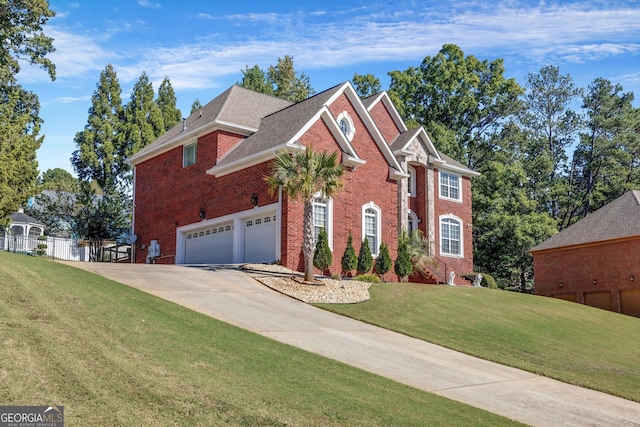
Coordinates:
234	297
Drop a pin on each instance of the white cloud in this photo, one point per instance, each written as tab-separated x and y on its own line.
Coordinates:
149	4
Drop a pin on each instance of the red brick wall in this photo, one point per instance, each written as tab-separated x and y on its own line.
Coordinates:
462	210
385	123
611	265
367	183
168	195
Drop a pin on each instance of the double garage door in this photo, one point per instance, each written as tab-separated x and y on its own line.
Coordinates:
256	242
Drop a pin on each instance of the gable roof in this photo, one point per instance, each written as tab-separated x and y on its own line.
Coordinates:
281	129
400	146
22	218
616	220
237	109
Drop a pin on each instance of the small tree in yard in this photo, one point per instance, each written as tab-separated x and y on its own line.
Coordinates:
322	257
383	262
403	267
302	174
365	260
349	259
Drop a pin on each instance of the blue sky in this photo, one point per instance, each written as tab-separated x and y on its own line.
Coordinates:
202	46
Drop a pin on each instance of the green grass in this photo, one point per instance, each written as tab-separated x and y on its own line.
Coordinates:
571	342
113	355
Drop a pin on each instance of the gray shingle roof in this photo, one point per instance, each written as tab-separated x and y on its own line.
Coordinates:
280	126
616	220
235	106
23	218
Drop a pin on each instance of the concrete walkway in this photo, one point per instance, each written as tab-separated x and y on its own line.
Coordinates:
234	297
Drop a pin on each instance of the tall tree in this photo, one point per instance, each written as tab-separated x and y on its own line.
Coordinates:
302	175
166	101
280	80
602	168
195	106
552	126
288	84
102	152
366	85
19	140
255	79
459	99
143	117
22	38
59	180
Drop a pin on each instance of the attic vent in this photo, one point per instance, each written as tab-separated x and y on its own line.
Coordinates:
200	113
184	124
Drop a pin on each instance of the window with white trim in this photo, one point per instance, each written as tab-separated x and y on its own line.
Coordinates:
371	227
322	214
189	154
346	125
411	184
450	186
451	236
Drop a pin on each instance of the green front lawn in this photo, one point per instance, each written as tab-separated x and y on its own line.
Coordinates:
116	356
571	342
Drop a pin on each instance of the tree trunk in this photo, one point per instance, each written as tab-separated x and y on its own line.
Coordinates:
307	241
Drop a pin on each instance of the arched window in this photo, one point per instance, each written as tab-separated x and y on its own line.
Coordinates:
412	221
346	125
451	243
371	226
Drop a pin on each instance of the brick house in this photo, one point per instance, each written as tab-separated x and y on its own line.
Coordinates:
200	194
595	261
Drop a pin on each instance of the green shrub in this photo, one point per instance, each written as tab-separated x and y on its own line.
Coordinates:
365	260
349	259
383	262
370	278
42	246
322	257
487	280
402	266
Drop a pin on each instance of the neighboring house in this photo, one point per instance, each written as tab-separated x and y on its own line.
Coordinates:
595	261
200	194
22	234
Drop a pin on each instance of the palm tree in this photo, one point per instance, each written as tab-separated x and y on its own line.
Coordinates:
303	174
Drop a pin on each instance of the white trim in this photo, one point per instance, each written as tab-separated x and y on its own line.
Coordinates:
461	241
378	211
459	179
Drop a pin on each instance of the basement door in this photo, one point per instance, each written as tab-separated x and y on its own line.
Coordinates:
260	238
210	245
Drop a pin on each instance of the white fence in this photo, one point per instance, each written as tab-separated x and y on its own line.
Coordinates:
57	247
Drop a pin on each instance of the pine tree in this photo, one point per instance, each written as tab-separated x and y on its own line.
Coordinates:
143	118
349	260
166	101
195	106
101	152
23	41
383	262
365	260
402	266
322	257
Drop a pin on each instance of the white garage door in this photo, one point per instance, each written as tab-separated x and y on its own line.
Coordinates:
260	238
211	245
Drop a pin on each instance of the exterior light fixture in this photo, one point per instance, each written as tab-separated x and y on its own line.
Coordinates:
561	284
203	214
254	199
632	278
595	282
